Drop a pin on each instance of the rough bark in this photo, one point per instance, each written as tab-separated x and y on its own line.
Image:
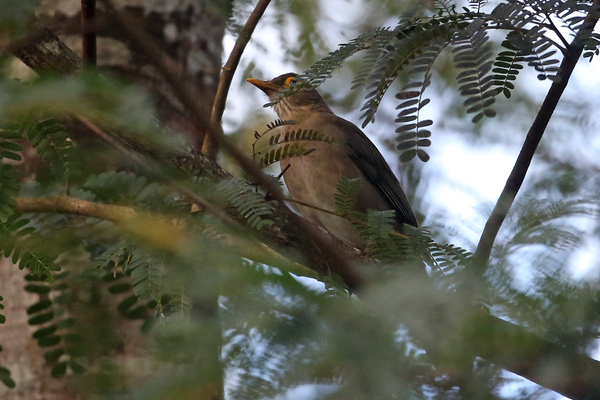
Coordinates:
191	32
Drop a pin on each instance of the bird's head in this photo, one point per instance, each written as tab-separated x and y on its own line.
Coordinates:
291	107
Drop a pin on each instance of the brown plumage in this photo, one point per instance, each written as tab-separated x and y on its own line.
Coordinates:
313	178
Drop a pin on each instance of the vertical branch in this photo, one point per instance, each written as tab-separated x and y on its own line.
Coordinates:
88	24
211	146
536	131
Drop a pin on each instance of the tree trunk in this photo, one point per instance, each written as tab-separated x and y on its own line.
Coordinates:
191	32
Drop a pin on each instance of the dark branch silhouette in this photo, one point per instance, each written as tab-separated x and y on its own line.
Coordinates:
536	131
88	25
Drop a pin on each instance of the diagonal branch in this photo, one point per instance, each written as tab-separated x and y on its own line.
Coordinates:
211	146
536	131
155	227
43	51
335	261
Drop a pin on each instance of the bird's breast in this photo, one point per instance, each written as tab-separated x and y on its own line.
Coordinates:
313	179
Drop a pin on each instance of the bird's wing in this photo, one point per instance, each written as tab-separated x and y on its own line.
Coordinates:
377	171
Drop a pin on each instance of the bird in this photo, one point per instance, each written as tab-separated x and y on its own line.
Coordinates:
312	179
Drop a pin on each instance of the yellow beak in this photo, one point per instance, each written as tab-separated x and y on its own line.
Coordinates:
262	85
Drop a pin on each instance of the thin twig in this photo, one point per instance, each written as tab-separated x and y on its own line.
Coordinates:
88	25
337	214
283	171
556	31
211	146
536	131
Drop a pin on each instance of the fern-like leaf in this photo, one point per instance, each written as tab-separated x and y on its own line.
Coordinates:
591	46
374	52
538	52
5	377
449	257
323	68
506	68
248	202
52	144
2	316
9	190
477	5
284	152
412	133
381	223
125	187
281	146
54	331
399	55
472	55
345	197
27	249
9	184
5	372
146	277
378	230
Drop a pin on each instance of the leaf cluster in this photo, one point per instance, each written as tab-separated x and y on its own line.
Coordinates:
409	51
284	144
54	326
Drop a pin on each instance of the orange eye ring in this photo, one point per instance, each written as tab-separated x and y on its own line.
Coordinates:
291	80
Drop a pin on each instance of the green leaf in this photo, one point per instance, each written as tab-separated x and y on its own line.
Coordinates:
6	378
76	367
41	318
39	306
59	370
53	355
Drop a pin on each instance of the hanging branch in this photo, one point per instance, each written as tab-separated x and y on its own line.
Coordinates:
88	25
536	131
211	146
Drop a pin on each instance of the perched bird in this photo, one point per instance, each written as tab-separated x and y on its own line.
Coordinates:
313	178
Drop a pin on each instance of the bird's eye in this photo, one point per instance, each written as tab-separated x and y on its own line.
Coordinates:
291	80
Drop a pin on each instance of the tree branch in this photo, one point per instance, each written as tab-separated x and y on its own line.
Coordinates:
72	205
334	261
536	131
129	219
43	51
289	235
88	25
210	146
